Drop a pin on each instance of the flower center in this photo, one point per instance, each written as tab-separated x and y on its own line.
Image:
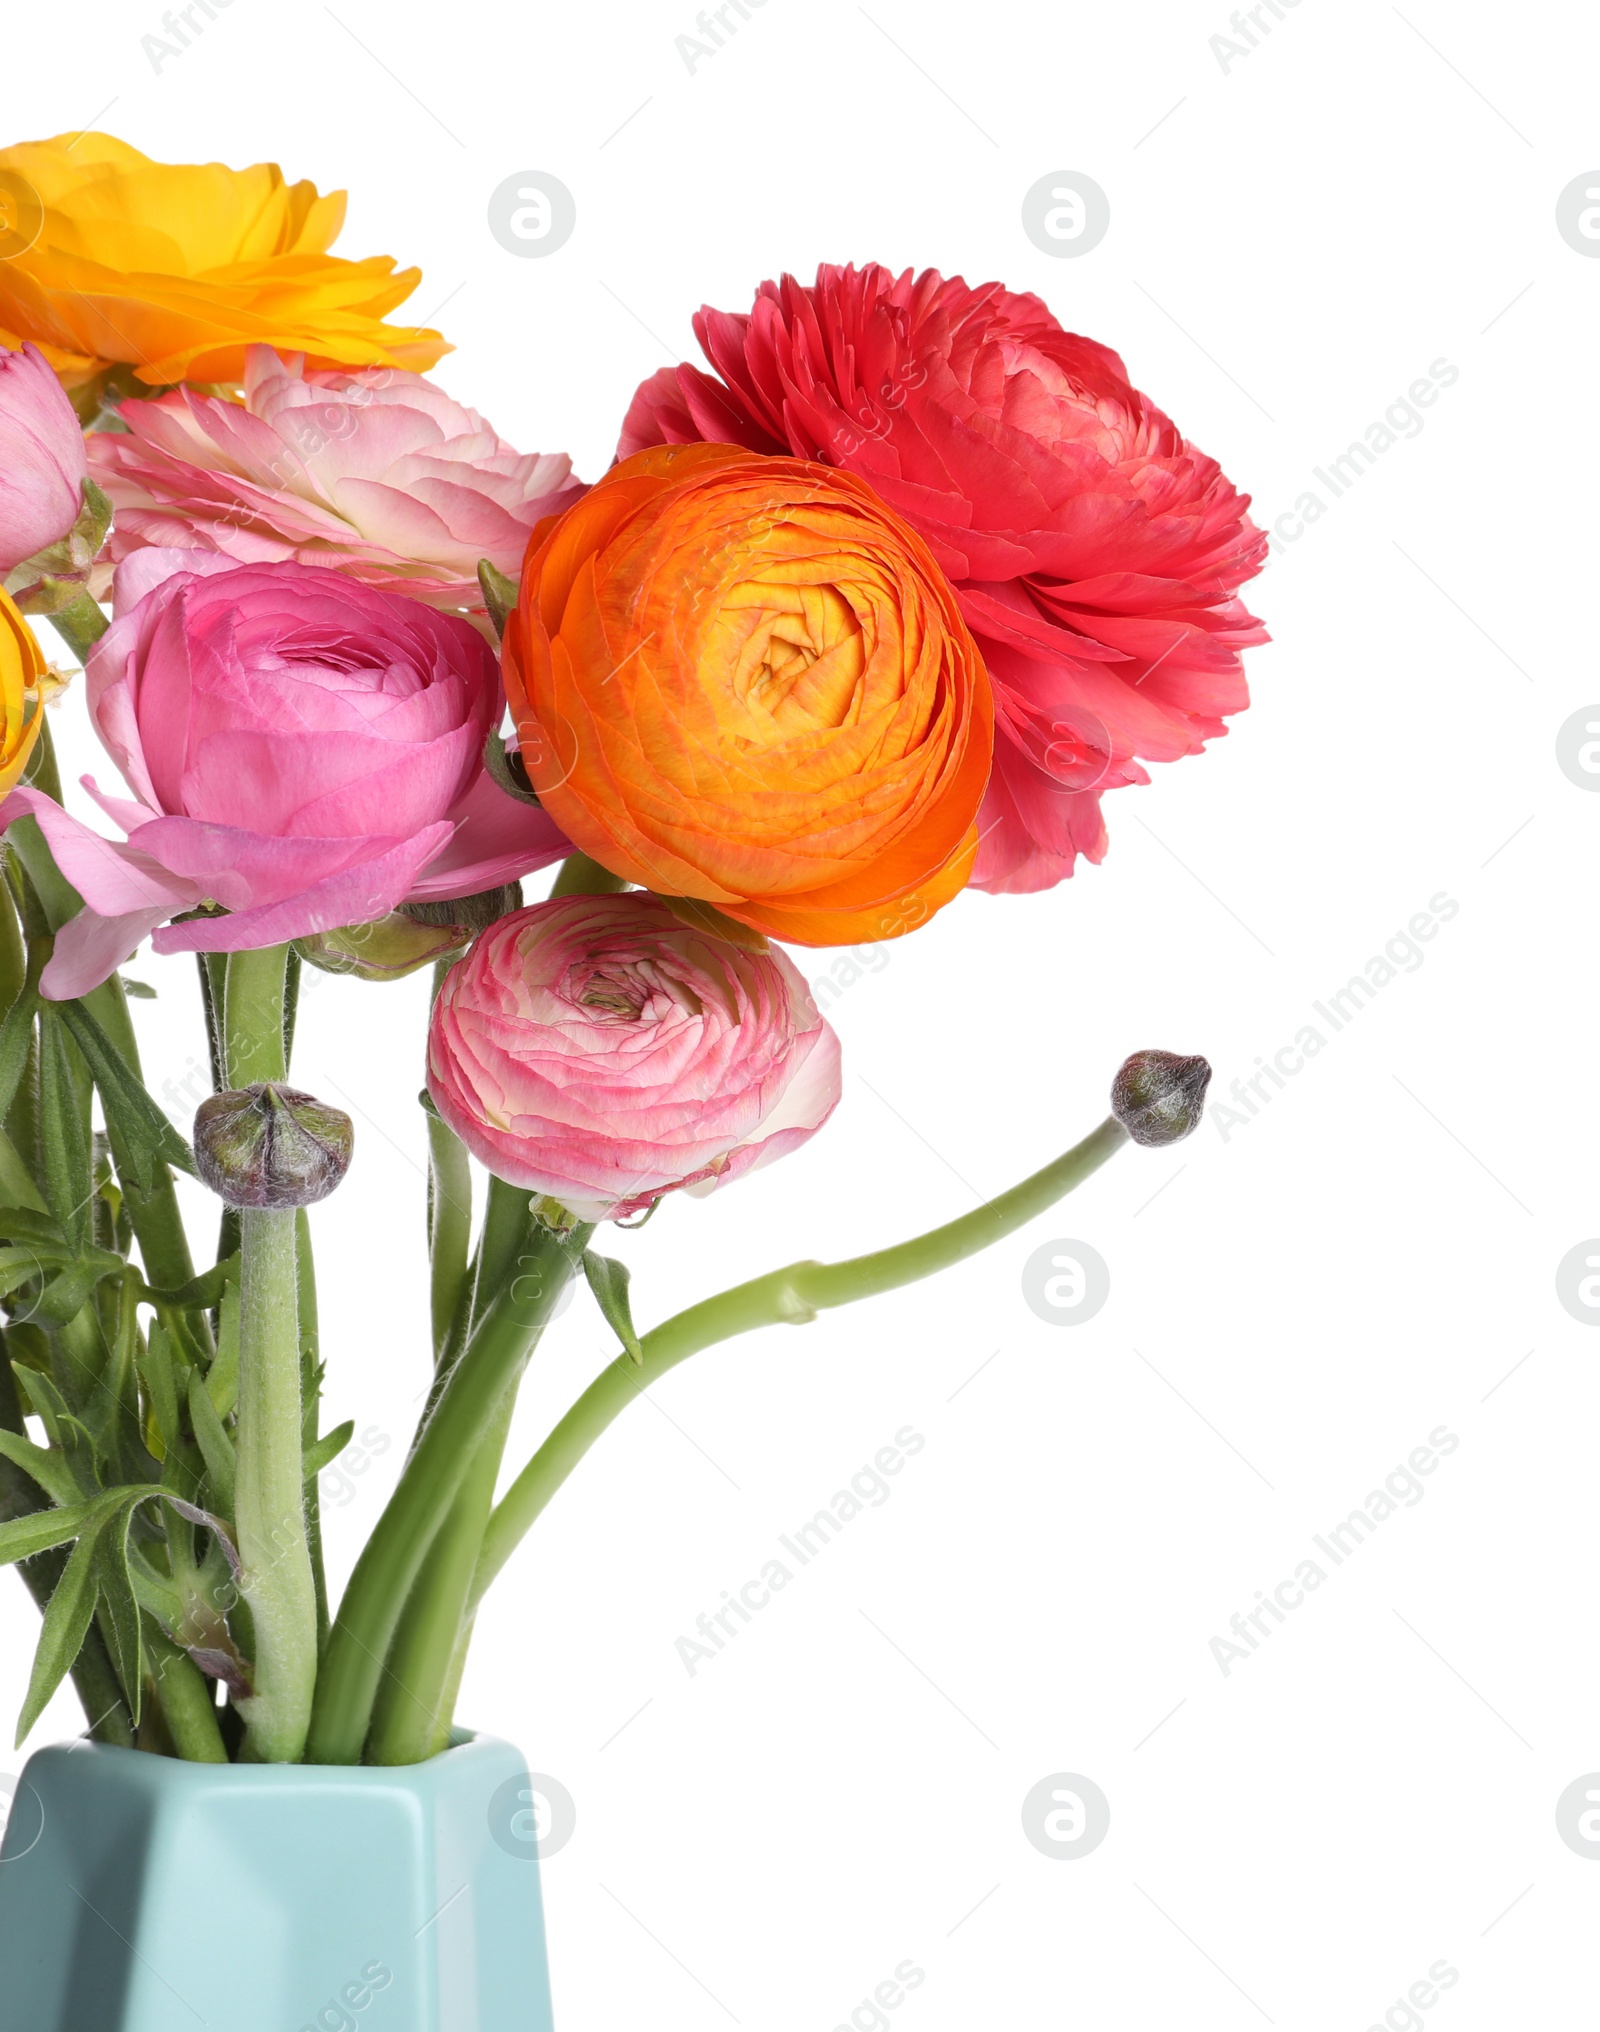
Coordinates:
632	991
800	656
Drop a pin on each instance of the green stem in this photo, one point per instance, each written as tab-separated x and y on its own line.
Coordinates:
411	1719
462	1419
213	972
504	1233
188	1705
311	1406
505	1230
579	876
252	1016
449	1225
277	1581
43	770
80	625
795	1295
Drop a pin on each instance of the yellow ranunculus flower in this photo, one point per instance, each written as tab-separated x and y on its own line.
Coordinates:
173	269
26	681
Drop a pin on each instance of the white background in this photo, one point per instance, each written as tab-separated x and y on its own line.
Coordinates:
1294	240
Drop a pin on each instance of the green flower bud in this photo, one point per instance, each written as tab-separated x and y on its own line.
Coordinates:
271	1146
1159	1097
416	934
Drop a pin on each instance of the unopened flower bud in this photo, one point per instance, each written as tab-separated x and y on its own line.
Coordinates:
1159	1097
43	465
410	937
271	1146
55	578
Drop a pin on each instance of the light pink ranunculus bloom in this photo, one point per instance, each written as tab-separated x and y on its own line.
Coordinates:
598	1049
377	472
42	464
305	751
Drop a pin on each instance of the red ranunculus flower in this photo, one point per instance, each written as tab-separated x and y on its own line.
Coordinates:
1097	554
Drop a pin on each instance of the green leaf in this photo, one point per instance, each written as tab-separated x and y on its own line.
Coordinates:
201	1293
20	1265
15	1184
216	1446
608	1280
328	1448
120	1620
158	1372
141	991
64	1297
26	1224
47	1468
148	1139
66	1624
69	1436
42	1529
16	1033
64	1133
222	1378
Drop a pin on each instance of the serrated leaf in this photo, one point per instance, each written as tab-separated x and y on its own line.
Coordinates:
327	1449
608	1280
48	1468
66	1624
148	1138
216	1444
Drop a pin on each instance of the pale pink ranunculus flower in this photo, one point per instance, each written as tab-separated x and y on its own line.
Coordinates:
303	750
378	472
601	1050
42	464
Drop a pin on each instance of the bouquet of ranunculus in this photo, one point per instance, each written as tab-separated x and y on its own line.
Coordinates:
875	609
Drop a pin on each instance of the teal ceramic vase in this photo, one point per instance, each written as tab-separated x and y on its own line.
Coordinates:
140	1894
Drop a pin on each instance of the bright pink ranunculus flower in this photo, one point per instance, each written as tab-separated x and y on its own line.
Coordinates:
378	472
1097	554
598	1049
305	751
42	465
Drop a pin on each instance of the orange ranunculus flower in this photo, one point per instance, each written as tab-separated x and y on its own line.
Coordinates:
745	680
26	681
174	269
